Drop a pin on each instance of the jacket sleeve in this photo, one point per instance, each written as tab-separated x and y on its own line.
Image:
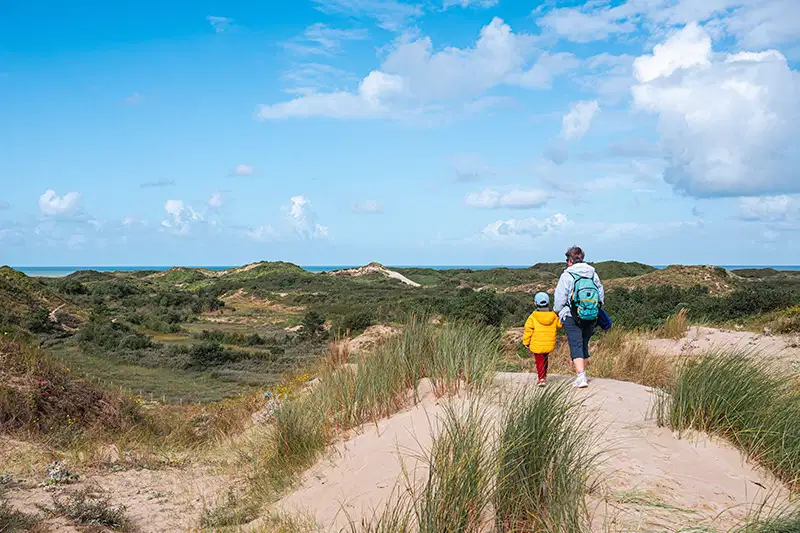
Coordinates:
600	289
529	327
561	296
558	323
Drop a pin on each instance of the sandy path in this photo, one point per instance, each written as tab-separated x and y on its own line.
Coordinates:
650	480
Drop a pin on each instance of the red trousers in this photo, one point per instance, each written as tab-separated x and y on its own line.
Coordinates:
541	364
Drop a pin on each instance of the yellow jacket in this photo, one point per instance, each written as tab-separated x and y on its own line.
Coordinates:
540	331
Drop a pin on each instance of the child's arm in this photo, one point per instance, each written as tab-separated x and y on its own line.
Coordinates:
530	324
558	323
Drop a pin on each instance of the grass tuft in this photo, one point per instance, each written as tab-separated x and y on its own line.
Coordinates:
545	457
743	399
675	326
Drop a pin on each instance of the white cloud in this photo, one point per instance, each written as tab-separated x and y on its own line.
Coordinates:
728	123
576	123
53	205
320	39
220	24
469	3
752	23
264	233
243	170
391	15
414	79
180	217
528	227
769	208
688	48
368	207
215	200
303	218
517	199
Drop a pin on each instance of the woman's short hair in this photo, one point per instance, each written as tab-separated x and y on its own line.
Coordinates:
575	254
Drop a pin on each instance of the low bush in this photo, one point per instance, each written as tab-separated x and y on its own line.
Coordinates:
356	322
40	395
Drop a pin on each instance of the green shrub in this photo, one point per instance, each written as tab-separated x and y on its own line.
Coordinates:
357	321
314	324
38	321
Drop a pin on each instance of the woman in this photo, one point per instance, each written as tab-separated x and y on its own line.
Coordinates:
579	312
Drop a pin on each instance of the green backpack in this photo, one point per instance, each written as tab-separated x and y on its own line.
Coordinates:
585	300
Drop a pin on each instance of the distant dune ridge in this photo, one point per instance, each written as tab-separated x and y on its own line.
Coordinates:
374	268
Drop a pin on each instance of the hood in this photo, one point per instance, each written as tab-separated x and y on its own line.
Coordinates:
545	318
582	269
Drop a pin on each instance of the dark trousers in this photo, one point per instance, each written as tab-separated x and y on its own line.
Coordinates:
541	364
578	334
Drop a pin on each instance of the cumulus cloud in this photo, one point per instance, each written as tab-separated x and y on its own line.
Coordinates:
303	219
320	39
243	170
528	227
180	217
577	122
220	24
517	199
728	123
770	208
51	204
264	233
368	207
413	79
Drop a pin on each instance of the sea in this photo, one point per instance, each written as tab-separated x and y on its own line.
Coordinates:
61	271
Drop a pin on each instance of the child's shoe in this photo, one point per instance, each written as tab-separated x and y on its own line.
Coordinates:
542	382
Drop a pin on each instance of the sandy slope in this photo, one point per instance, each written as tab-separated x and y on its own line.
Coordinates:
699	340
650	480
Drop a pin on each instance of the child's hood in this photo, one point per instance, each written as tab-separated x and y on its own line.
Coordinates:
545	318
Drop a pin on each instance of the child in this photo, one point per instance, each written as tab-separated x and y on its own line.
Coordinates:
540	334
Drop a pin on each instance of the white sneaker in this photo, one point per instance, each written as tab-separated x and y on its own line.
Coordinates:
580	382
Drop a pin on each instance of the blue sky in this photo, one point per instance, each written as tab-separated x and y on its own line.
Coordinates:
430	132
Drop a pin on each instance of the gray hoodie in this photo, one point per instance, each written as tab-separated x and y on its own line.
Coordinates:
566	283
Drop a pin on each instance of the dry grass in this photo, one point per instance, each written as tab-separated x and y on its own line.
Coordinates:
339	351
675	326
621	355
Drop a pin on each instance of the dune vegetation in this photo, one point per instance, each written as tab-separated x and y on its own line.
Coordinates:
105	372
